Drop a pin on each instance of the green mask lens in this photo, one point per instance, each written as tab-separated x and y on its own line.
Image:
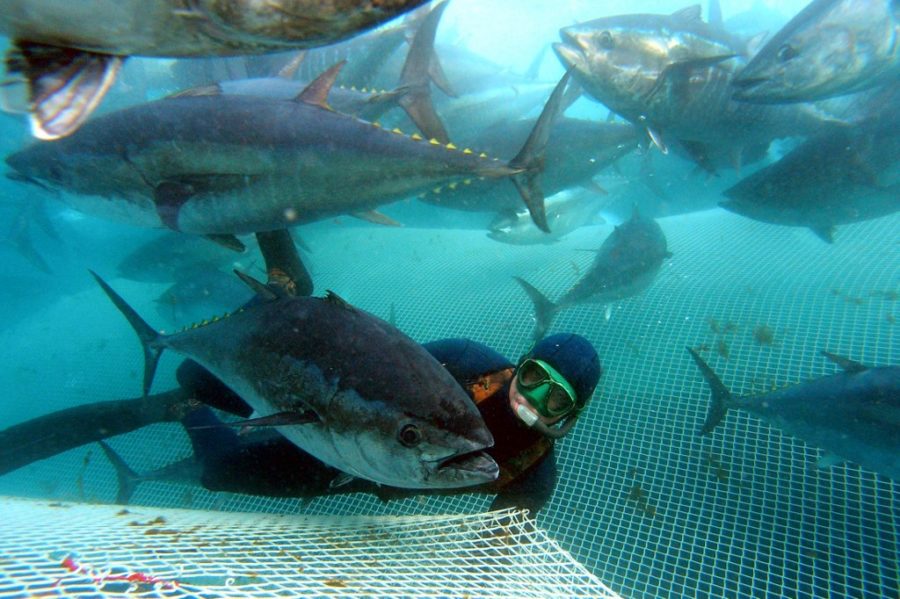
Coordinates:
545	388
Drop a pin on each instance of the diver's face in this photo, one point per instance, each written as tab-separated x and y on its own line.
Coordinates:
526	412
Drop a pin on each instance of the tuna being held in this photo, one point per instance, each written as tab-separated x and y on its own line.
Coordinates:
70	52
266	164
852	415
625	265
340	384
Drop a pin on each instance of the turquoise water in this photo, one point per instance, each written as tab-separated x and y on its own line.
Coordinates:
743	512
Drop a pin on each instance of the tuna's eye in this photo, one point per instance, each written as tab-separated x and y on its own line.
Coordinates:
786	52
410	435
606	40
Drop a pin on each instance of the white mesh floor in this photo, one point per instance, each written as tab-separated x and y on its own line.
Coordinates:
80	550
645	504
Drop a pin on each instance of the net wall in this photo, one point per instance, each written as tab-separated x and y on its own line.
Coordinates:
644	503
80	550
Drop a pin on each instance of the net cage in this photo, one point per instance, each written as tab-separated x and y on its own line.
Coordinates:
643	503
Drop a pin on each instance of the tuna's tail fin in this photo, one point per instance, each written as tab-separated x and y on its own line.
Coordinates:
147	334
721	396
544	309
530	159
128	478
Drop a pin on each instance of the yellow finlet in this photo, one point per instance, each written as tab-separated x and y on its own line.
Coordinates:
436	190
452	185
450	146
416	137
397	131
376	124
467	151
467	181
434	142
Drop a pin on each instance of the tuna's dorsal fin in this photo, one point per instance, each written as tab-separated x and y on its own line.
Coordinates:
317	91
65	85
267	293
334	298
289	70
689	14
849	366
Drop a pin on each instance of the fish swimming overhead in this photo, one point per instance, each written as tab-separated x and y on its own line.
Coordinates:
675	83
625	265
342	385
853	415
70	52
830	48
265	165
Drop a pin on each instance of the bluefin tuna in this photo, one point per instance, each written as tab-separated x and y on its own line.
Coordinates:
837	178
852	415
339	383
70	52
265	165
625	265
830	48
671	76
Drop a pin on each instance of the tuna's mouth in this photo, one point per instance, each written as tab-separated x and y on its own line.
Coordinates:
471	467
748	82
569	55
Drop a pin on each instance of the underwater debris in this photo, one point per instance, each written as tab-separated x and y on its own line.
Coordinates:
722	348
713	324
639	496
763	334
715	466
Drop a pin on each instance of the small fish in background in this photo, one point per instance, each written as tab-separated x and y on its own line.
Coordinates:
175	257
70	53
830	48
339	383
566	211
852	415
625	264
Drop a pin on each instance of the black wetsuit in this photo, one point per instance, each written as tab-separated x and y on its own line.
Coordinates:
276	467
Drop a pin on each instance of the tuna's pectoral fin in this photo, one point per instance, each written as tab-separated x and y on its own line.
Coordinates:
277	419
721	396
672	83
65	85
849	366
377	218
